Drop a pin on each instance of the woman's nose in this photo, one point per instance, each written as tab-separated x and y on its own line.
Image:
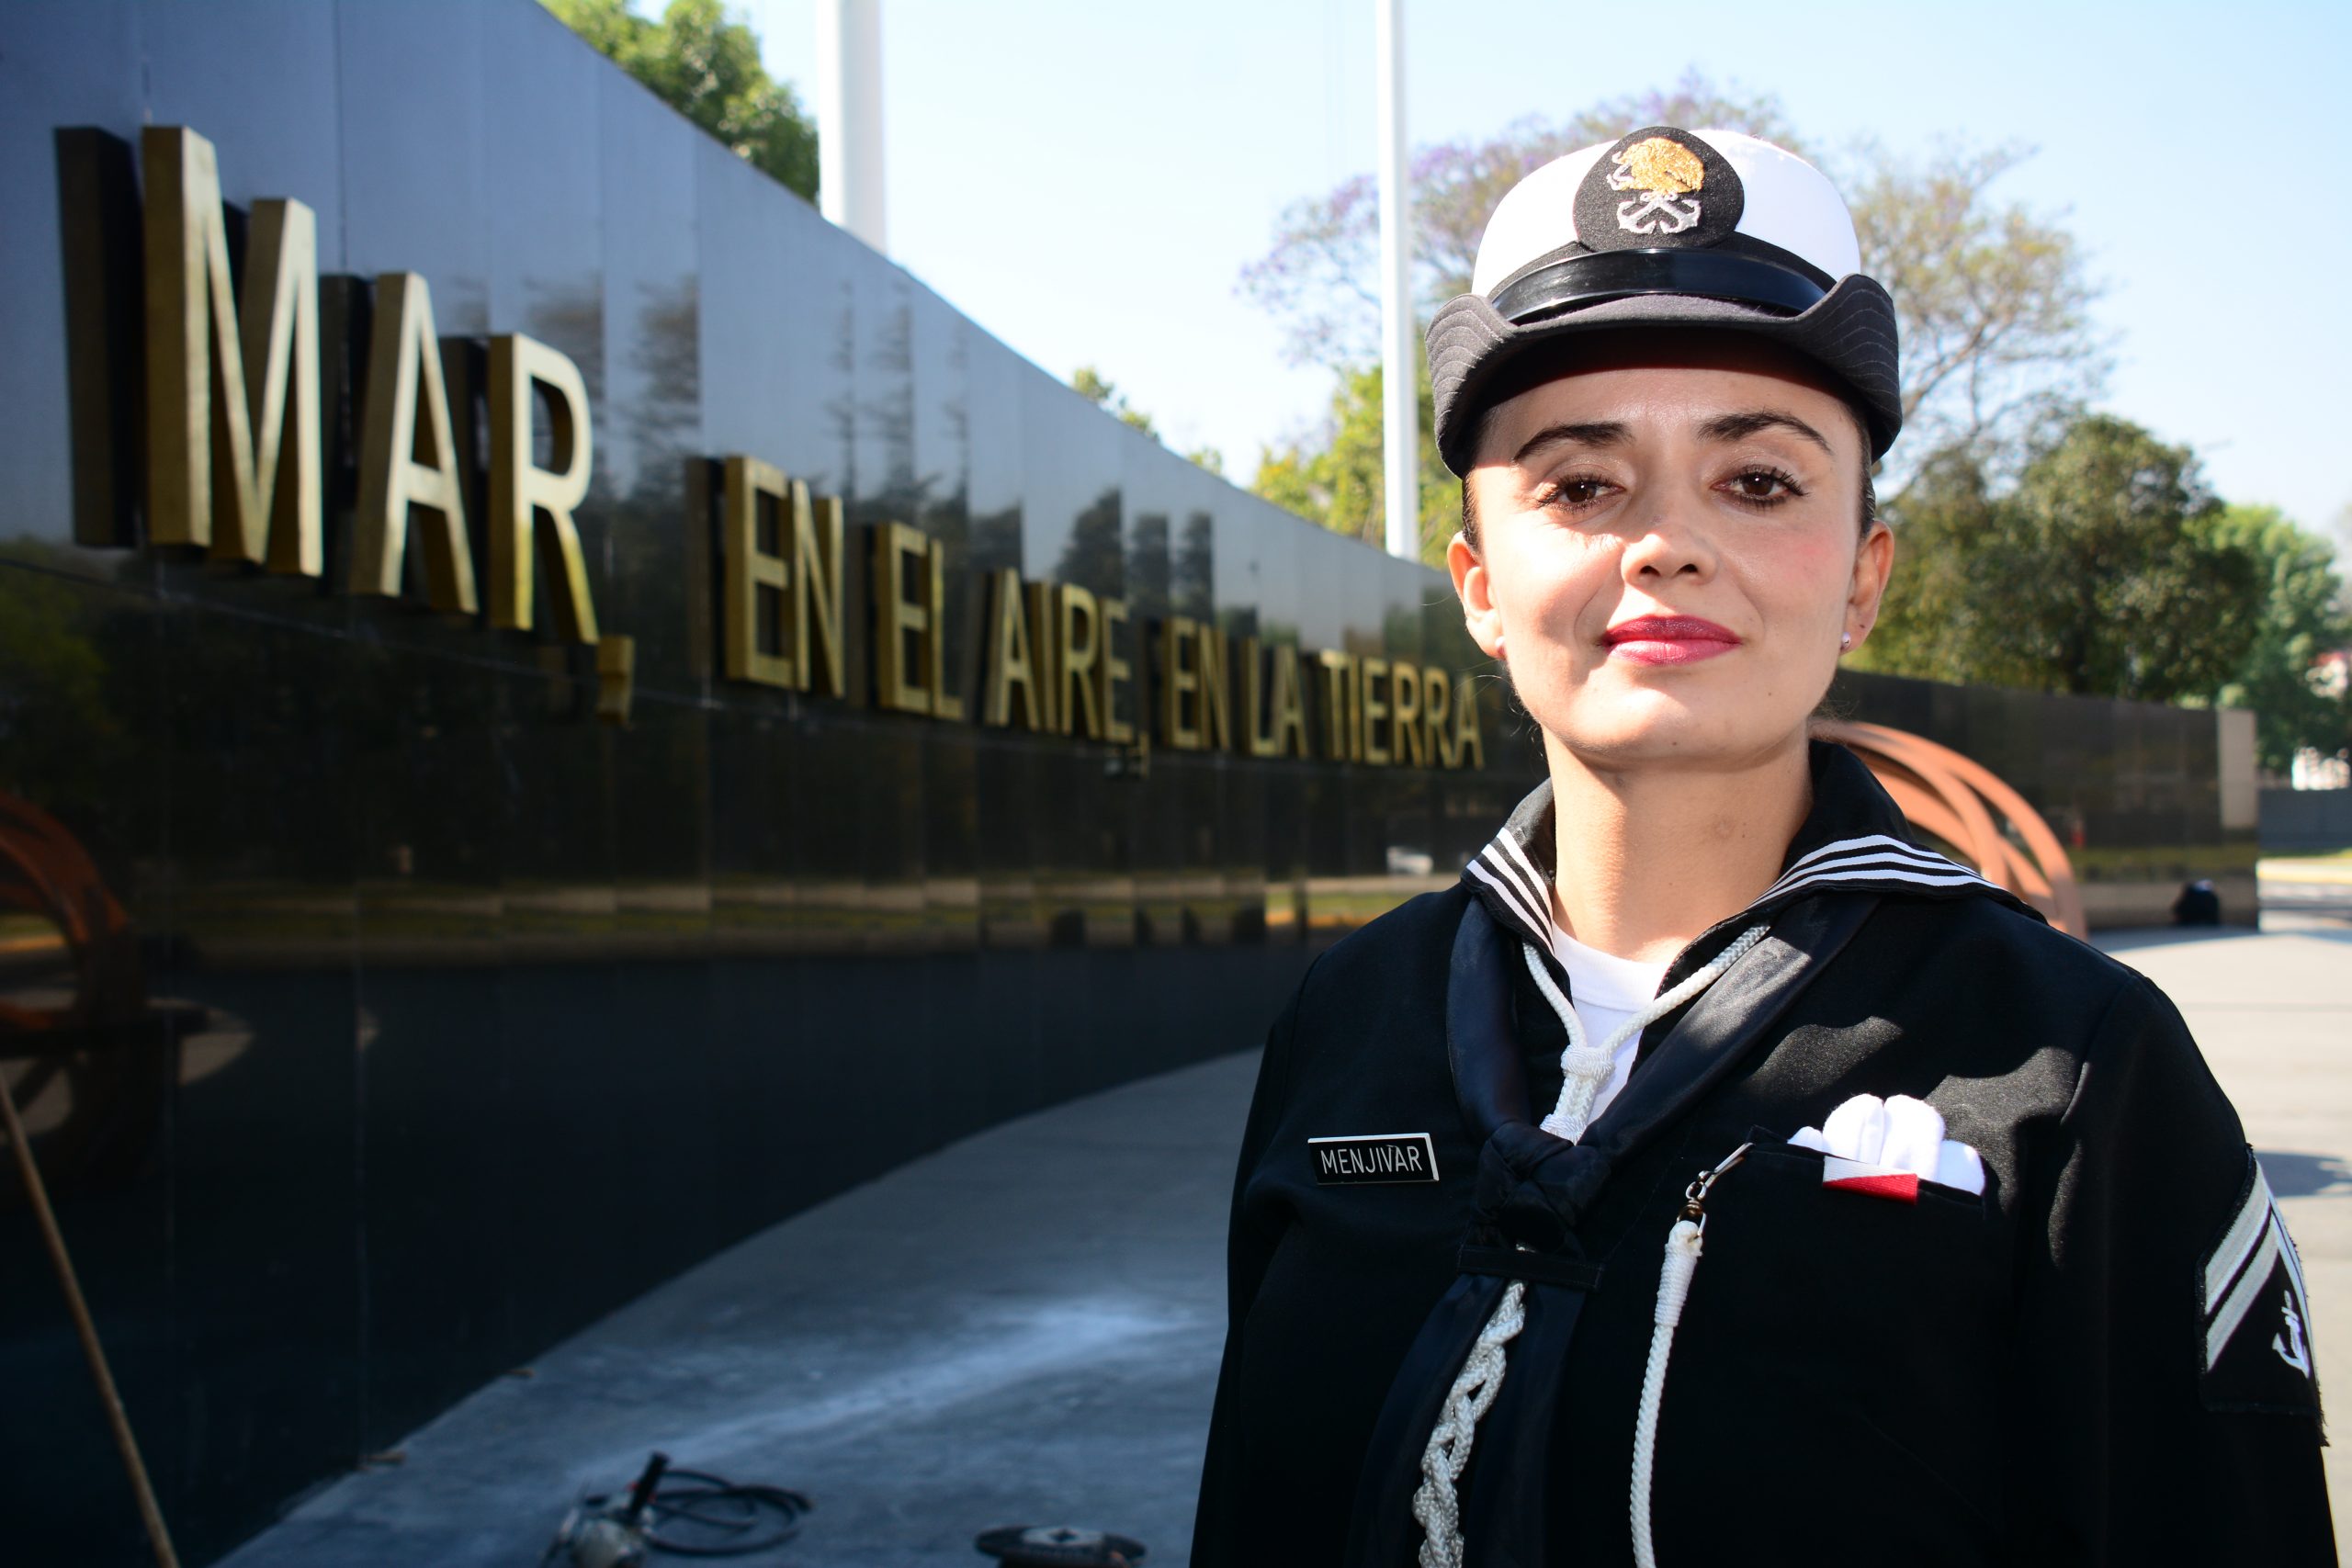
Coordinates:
1664	540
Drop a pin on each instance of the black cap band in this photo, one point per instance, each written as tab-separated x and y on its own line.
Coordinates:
1753	274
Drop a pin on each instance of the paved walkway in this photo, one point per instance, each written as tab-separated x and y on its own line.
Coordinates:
2273	1012
1021	1329
1024	1328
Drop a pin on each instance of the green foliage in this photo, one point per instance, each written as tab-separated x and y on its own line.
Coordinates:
2302	616
2108	570
1096	388
705	64
1341	483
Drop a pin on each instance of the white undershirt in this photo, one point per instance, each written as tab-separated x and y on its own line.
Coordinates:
1606	990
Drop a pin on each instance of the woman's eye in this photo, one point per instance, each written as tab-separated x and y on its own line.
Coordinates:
1579	493
1763	484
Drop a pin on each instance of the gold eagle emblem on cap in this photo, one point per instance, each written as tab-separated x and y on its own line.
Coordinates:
1663	172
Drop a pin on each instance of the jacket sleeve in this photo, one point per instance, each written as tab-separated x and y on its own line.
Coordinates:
1219	1525
2168	1408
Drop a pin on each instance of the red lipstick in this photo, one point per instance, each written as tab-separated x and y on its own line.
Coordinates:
1668	639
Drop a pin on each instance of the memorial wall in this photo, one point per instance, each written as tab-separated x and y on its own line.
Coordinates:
556	709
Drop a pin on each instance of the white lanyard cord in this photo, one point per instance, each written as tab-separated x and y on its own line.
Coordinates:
1682	1248
1436	1505
1584	1068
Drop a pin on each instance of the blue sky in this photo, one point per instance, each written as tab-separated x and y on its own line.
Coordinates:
1086	178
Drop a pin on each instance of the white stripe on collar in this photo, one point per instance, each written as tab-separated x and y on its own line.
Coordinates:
1870	861
1508	889
1532	876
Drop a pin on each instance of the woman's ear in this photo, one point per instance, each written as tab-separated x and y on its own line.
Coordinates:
1471	587
1873	563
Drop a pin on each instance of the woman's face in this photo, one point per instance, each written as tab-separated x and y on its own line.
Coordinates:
1668	550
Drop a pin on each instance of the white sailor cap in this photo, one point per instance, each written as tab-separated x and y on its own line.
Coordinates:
1665	226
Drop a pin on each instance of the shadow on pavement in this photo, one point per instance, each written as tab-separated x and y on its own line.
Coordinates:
2304	1176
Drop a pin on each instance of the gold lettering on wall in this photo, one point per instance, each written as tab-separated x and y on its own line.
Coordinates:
1112	672
529	505
396	478
1404	707
1011	669
812	615
1467	743
1046	642
1256	741
1078	647
1179	684
1217	709
1338	705
758	575
944	703
1273	704
898	679
780	592
1290	703
233	389
237	363
1372	710
1195	711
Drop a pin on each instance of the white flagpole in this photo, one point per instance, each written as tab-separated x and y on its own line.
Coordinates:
1399	340
849	117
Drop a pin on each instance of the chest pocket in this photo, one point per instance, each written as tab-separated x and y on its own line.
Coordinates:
1864	1323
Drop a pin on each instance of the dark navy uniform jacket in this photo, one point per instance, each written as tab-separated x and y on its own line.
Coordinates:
2103	1357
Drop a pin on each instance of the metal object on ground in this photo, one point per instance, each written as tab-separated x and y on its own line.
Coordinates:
1059	1546
688	1513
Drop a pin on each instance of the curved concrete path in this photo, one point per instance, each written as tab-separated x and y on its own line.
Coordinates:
1024	1327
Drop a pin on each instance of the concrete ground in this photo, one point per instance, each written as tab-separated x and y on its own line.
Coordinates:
1024	1327
1021	1329
2273	1012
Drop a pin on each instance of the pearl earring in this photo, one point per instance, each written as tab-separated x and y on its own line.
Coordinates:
1498	645
1845	642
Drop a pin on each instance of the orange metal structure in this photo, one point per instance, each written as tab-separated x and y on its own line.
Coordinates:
1967	805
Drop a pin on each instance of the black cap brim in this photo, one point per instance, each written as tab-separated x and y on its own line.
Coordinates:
1474	353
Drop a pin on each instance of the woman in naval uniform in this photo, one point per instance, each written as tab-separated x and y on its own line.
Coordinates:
1715	1175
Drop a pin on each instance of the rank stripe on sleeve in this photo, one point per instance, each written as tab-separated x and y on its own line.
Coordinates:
2255	1246
2238	1242
2241	1299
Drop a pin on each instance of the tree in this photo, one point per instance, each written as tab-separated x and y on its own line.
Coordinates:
1993	302
705	64
2302	616
1320	279
1091	384
2106	570
1341	483
1096	388
1993	299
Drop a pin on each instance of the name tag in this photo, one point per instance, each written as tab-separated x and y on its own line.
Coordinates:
1374	1156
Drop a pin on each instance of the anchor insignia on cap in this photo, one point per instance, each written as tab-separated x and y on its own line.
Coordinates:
1662	171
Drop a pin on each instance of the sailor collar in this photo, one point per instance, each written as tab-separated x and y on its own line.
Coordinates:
1853	839
1532	1190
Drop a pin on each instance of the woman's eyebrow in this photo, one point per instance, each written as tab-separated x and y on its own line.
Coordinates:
1738	426
1600	432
